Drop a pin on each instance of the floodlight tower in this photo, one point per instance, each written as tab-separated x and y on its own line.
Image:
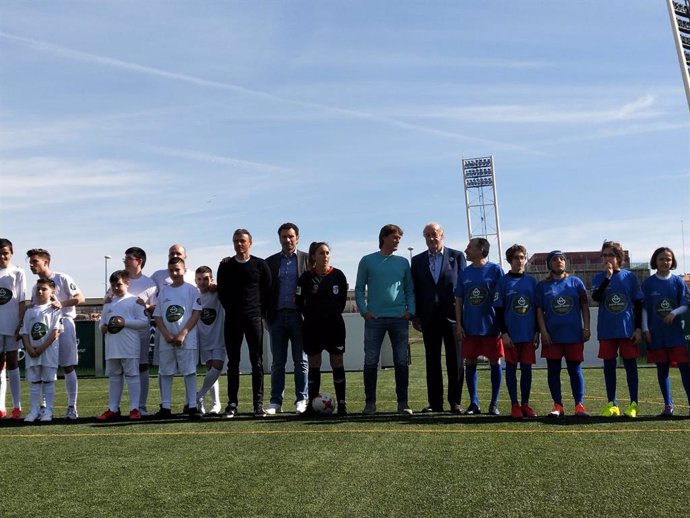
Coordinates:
481	202
679	12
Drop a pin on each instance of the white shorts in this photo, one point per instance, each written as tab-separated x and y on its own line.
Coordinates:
9	344
39	373
207	354
68	344
119	366
173	360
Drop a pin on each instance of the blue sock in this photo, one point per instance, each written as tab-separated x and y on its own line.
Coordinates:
496	376
577	381
511	382
610	380
525	382
632	377
684	369
554	379
664	382
471	380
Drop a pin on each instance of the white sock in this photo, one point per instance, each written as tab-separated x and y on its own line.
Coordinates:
134	390
214	391
49	395
35	396
3	390
15	387
210	380
190	389
71	387
165	383
115	392
143	389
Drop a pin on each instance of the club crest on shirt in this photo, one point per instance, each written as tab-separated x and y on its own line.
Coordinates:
478	295
336	289
174	313
562	305
38	330
663	307
616	302
5	296
72	286
208	316
521	305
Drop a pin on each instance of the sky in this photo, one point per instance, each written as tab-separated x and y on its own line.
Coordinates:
148	123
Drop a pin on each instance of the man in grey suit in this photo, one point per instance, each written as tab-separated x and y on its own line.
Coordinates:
285	321
435	273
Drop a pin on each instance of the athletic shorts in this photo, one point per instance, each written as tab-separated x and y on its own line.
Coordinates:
668	355
323	335
523	353
207	354
175	360
490	347
9	343
119	366
40	373
67	340
571	352
608	349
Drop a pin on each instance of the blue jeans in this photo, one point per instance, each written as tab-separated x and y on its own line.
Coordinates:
287	326
374	332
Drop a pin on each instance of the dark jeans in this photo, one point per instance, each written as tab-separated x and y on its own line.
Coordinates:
238	327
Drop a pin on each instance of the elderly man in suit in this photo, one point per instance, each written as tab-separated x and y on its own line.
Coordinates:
285	321
435	273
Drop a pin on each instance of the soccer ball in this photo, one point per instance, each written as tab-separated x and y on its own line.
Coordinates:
323	404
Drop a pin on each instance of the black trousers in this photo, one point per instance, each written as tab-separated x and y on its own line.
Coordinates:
437	332
238	327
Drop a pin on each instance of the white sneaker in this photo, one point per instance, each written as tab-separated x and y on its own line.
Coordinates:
274	408
47	417
70	415
200	405
32	416
301	406
216	409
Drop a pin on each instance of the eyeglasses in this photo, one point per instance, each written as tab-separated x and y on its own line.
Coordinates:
609	255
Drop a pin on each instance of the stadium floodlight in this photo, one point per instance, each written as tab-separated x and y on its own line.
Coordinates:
106	257
679	13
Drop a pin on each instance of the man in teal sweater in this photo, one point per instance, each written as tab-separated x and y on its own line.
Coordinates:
385	299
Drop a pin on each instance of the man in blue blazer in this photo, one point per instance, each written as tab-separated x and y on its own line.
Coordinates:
434	273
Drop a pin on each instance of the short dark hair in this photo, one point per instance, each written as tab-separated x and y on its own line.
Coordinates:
288	226
6	243
655	255
241	231
39	252
137	252
118	275
176	260
483	244
203	269
514	250
387	230
44	281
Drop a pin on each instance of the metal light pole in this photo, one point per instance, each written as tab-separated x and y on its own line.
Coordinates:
106	257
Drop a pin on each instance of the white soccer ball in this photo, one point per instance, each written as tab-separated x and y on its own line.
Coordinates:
323	404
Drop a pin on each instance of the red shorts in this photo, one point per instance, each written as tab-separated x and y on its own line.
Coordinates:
523	353
608	349
669	355
571	352
489	346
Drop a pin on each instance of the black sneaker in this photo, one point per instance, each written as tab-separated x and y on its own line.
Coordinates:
456	409
493	410
193	413
473	409
431	409
230	411
342	409
259	411
163	413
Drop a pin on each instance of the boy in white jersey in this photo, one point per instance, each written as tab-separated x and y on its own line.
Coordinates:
121	321
212	351
39	333
67	296
12	307
177	313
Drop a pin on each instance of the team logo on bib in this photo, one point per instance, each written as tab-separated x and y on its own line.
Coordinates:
5	296
521	305
663	307
208	316
616	303
38	330
335	290
478	296
174	313
562	305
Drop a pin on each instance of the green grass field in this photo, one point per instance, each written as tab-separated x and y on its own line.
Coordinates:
384	465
